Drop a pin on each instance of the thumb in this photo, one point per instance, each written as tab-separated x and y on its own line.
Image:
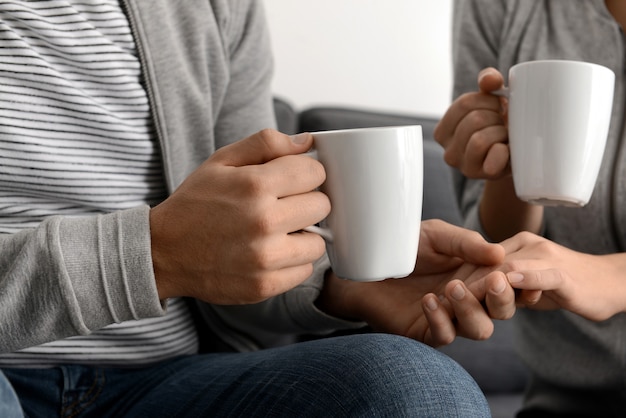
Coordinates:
459	242
490	79
263	146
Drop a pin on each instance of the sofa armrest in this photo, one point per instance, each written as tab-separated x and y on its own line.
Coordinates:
329	118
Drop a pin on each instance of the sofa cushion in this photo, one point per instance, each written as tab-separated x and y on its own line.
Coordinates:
439	201
492	363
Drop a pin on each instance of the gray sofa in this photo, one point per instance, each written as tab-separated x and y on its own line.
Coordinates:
492	363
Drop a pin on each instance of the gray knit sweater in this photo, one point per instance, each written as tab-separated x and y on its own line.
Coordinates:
207	69
570	357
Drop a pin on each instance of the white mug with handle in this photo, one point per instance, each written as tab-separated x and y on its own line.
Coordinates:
558	121
374	180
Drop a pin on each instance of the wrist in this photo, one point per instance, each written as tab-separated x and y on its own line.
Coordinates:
503	214
339	298
616	286
160	264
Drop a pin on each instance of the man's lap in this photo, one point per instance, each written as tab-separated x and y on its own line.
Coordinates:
359	375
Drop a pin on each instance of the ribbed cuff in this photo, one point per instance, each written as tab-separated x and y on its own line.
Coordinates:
109	263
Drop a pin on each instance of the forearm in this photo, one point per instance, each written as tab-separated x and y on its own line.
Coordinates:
337	297
70	276
503	214
298	311
615	288
551	276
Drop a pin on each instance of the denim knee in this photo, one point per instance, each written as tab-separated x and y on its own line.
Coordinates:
9	403
388	375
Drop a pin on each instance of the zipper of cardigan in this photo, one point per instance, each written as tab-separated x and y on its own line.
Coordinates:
239	341
147	81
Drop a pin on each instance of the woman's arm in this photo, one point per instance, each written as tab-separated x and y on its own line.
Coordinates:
473	130
551	276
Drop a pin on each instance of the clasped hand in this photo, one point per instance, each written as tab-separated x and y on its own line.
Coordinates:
227	234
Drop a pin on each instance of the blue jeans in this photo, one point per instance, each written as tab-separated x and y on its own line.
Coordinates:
371	375
9	403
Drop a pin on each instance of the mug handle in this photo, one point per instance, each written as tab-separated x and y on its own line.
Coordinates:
323	232
503	92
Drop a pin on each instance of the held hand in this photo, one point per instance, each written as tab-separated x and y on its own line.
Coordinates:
401	306
473	132
227	234
551	276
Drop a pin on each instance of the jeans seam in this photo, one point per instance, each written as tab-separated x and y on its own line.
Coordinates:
89	396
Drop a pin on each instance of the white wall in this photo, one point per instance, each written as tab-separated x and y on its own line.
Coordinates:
390	55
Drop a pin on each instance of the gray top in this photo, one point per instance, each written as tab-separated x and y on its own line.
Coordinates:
208	79
561	348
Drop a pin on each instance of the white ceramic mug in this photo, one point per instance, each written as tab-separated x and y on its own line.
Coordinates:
558	116
374	180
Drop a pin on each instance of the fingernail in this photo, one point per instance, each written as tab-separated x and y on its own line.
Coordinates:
499	287
515	277
431	304
458	292
299	139
482	75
